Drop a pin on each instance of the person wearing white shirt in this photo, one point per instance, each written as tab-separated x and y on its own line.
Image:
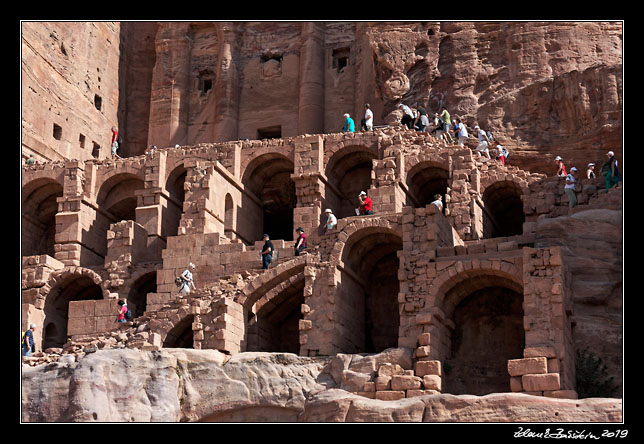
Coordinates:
484	142
187	281
368	118
569	188
331	220
462	132
438	202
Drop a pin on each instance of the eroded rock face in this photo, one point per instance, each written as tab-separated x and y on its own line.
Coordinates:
183	385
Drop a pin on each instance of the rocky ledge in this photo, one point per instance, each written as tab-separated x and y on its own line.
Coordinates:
184	385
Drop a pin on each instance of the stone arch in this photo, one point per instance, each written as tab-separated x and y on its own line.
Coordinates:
181	334
268	177
348	171
273	321
62	287
272	302
478	319
38	216
117	197
503	213
368	286
140	284
425	177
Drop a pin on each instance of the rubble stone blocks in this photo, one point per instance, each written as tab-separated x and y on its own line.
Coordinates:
540	382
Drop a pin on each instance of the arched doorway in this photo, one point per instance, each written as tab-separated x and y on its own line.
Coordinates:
275	325
176	195
138	294
348	172
503	213
424	181
181	335
39	208
268	177
488	330
71	288
369	290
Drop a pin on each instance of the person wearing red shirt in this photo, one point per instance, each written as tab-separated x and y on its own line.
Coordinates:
366	206
300	244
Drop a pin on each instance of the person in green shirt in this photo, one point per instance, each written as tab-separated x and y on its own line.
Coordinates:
30	160
446	125
348	124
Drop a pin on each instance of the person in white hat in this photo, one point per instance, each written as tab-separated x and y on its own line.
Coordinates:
187	281
331	220
561	168
590	171
610	171
366	206
569	188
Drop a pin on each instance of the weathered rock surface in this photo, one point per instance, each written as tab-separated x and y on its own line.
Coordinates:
182	385
339	406
592	245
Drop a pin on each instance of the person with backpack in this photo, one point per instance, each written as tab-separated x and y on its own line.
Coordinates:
28	344
185	281
123	312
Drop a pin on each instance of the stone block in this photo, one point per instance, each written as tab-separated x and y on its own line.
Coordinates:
515	384
383	382
405	382
541	382
432	382
561	394
390	395
520	367
390	370
428	368
539	351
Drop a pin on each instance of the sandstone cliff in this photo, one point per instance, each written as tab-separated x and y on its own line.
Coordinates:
179	385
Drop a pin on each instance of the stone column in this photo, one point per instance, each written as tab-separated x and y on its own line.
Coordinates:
227	85
311	94
170	86
309	186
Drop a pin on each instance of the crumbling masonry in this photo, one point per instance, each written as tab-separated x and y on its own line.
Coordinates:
465	289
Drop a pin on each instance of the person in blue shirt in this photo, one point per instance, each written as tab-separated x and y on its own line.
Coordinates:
348	124
28	345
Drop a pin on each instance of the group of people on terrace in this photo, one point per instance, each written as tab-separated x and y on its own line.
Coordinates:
441	126
609	169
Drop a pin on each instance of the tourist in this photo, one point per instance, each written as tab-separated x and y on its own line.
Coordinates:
186	281
502	154
116	141
610	171
561	168
484	142
30	160
367	120
151	149
366	205
122	311
331	220
422	121
408	116
590	171
267	252
461	132
446	124
28	343
349	126
438	127
569	188
438	202
300	243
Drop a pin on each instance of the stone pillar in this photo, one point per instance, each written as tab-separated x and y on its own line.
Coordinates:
227	85
151	203
309	185
170	86
548	366
199	215
311	94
